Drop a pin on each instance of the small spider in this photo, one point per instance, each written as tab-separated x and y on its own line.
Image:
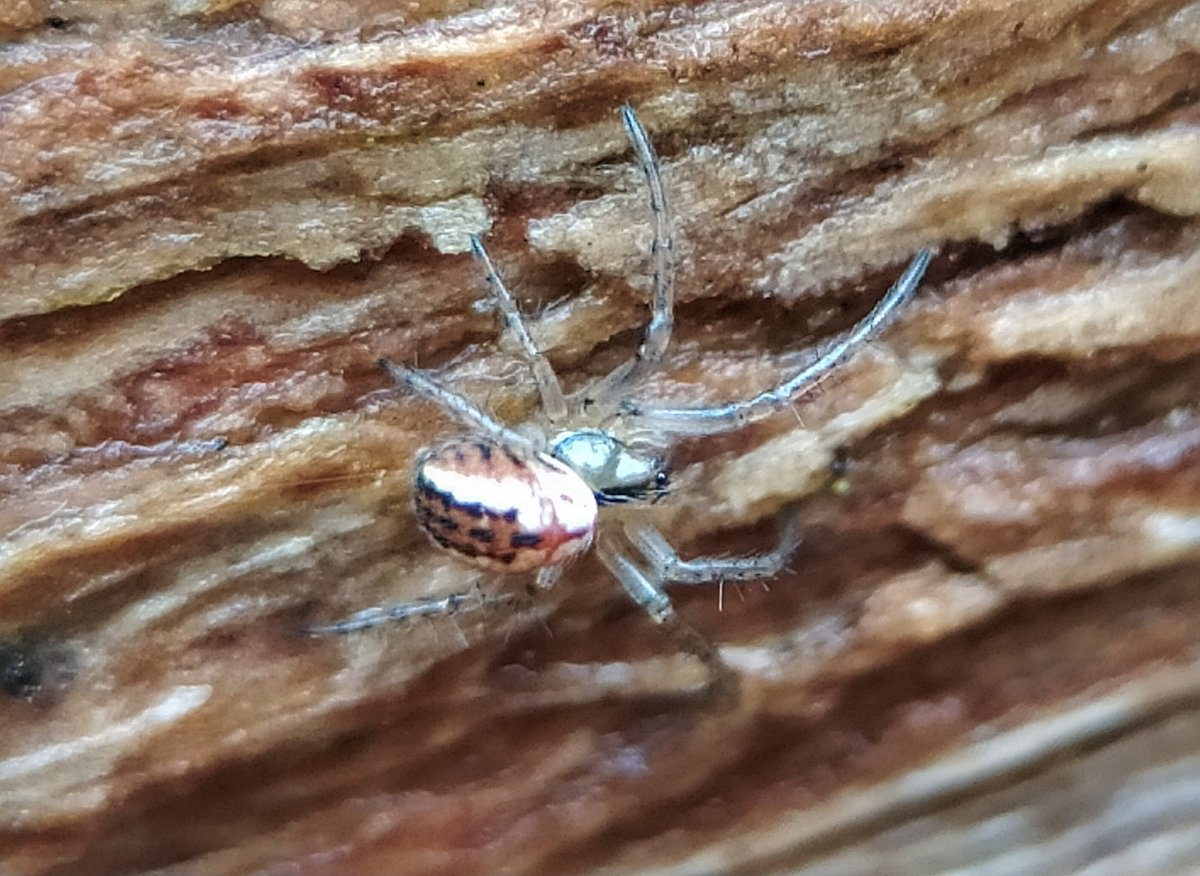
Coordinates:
509	500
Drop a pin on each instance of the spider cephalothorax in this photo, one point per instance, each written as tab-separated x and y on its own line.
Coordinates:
505	501
615	472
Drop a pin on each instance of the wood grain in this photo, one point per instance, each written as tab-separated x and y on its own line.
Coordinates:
216	216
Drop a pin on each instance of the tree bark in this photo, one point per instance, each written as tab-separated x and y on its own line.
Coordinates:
217	216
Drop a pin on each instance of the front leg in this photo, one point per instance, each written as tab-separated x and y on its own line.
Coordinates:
730	417
647	591
657	335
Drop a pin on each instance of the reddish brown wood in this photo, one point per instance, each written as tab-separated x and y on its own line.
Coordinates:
215	217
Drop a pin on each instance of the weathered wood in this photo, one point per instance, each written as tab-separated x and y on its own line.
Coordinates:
215	218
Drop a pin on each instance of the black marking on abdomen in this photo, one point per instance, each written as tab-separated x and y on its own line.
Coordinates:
524	540
427	491
484	535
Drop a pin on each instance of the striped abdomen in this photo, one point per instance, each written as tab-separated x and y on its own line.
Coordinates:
501	510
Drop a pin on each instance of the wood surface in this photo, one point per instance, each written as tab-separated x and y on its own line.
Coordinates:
216	216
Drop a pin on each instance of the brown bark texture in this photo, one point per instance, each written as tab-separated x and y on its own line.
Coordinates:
216	216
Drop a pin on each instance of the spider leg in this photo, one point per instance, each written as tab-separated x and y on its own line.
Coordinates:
373	617
554	404
658	331
646	589
730	417
547	577
669	567
465	410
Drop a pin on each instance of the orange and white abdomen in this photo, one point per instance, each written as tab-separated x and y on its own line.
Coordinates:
502	511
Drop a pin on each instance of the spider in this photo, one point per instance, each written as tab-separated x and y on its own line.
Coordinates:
523	500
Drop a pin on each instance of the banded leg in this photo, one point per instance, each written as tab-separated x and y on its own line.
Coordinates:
373	617
735	415
648	593
662	310
670	568
553	402
465	410
547	577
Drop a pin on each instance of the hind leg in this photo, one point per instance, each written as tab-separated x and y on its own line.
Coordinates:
369	618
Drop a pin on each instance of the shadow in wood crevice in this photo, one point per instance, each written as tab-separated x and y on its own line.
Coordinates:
1034	655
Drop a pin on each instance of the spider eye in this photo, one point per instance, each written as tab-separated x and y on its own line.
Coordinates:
662	478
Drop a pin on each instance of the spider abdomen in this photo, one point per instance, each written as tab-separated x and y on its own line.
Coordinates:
501	510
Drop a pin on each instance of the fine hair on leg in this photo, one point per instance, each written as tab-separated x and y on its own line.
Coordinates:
650	595
466	411
701	421
669	567
400	611
554	404
657	336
